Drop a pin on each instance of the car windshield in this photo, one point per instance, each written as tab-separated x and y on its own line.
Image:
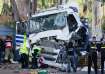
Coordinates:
47	22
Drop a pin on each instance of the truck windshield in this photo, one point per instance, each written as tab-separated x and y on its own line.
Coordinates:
47	22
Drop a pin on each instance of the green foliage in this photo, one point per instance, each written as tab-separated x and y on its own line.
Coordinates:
44	4
89	17
6	10
103	0
103	25
80	2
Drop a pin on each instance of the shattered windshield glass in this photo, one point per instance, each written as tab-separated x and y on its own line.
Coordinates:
48	22
22	27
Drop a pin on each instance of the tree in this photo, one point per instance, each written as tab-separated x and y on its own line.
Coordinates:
23	7
59	2
15	12
103	1
103	25
34	6
103	22
6	10
44	4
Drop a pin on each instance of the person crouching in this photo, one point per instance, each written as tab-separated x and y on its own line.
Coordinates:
35	58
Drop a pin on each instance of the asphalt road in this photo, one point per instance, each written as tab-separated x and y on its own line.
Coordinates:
22	72
15	69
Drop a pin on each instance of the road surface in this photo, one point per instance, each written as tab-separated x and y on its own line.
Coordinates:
15	69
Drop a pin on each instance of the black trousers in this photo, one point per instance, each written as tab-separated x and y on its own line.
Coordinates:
24	61
34	63
102	62
92	59
1	57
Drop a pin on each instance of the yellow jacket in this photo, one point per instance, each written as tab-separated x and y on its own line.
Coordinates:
23	48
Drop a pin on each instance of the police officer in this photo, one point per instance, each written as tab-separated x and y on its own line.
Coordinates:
102	56
61	54
92	55
70	57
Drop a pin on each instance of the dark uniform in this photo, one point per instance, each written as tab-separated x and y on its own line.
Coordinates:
92	56
2	49
102	57
71	60
34	59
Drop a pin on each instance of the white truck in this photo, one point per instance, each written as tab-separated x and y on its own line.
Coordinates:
50	28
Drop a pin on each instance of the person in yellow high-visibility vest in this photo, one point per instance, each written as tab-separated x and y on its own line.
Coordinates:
24	52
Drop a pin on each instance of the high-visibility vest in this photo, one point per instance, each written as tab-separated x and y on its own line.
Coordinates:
24	48
93	47
103	46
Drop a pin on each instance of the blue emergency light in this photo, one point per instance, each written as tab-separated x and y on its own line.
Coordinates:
74	9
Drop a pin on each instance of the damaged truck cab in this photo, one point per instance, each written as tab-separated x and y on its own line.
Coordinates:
53	27
62	24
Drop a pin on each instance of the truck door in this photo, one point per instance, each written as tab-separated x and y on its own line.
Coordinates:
72	23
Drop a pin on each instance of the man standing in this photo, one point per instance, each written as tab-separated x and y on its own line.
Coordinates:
24	52
102	56
9	49
92	55
71	60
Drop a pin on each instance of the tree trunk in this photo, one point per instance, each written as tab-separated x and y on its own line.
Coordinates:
85	7
23	7
60	2
43	4
103	8
34	6
96	20
15	10
6	10
56	2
